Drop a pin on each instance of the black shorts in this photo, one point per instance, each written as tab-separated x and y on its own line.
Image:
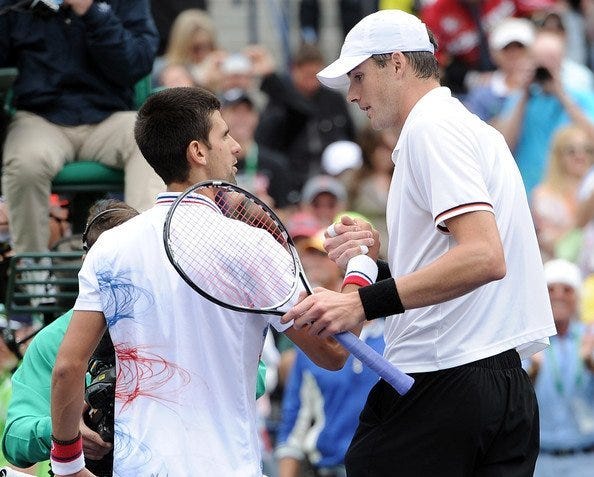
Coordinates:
479	419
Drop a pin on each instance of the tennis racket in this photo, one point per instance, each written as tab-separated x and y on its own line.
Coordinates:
231	248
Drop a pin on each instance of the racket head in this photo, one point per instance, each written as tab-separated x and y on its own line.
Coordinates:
232	248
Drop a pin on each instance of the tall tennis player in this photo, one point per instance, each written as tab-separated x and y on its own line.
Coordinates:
465	293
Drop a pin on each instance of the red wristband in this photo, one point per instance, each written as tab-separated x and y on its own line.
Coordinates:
356	280
66	451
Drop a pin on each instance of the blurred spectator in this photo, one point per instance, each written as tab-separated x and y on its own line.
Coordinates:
321	409
175	75
166	11
74	100
301	117
462	27
262	171
302	225
319	269
509	42
192	43
324	197
554	200
342	159
530	118
368	193
567	19
574	75
237	73
563	381
350	11
585	219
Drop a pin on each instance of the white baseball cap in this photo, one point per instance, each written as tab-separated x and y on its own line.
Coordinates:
339	156
385	31
512	30
562	271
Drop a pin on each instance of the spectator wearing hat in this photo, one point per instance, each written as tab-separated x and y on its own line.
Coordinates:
342	159
261	170
462	29
324	196
564	381
509	42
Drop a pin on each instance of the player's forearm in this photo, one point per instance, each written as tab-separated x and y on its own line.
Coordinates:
456	273
324	352
67	399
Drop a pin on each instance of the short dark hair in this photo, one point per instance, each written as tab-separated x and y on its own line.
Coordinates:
424	63
167	122
306	54
105	214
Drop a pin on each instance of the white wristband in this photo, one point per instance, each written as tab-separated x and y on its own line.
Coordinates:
363	267
67	468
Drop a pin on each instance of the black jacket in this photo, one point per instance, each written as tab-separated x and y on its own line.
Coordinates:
78	70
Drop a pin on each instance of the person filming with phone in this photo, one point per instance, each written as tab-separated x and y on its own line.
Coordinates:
549	99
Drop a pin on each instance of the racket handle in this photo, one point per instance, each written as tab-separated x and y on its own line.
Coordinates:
400	382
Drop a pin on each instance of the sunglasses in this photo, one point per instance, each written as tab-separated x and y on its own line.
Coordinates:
574	150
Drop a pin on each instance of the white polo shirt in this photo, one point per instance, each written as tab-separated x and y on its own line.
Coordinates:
448	162
186	368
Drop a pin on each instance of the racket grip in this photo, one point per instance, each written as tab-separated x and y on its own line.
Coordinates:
400	381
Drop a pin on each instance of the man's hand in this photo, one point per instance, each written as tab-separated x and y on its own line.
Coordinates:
328	312
94	447
349	235
262	60
80	7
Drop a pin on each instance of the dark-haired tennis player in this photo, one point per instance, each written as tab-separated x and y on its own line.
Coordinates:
466	298
186	367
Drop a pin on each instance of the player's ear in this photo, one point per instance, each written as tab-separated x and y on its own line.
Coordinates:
197	152
397	61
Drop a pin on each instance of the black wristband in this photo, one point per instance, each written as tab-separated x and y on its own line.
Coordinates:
383	270
381	299
66	443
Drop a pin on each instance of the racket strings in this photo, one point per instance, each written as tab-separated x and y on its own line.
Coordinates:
231	260
241	208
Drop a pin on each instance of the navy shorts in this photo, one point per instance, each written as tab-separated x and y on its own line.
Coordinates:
479	419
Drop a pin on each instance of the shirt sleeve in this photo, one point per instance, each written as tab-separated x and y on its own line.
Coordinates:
447	172
89	296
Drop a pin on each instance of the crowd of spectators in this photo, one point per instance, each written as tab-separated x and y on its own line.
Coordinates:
523	66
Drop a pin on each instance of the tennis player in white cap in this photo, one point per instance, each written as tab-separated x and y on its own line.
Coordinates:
464	293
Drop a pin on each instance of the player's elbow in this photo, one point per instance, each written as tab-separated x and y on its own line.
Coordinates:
493	265
67	371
